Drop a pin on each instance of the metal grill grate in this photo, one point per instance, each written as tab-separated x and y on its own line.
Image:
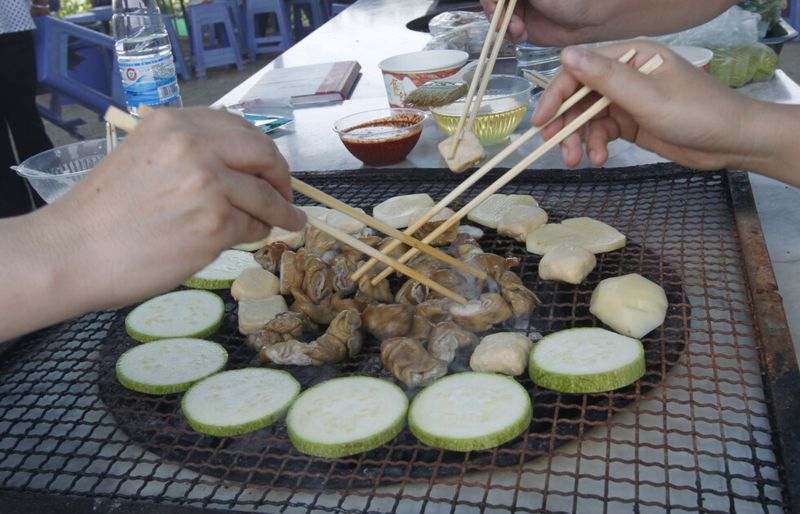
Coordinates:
694	434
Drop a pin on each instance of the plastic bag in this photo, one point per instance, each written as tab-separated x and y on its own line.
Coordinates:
462	30
733	37
769	10
739	66
735	28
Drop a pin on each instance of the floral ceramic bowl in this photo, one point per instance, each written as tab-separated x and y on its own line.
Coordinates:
404	73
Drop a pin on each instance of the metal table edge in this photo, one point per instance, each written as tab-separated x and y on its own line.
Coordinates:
779	368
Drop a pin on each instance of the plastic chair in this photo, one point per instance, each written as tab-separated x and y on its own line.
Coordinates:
224	49
257	41
52	38
177	51
316	11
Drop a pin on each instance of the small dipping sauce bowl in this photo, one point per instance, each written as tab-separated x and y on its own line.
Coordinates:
382	136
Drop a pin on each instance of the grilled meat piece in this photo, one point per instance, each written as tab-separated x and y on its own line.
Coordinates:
385	321
411	293
322	313
270	256
434	311
317	279
381	293
480	315
521	299
447	337
318	243
410	362
286	352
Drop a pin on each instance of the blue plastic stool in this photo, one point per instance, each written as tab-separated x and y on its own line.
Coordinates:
258	43
224	50
177	52
317	12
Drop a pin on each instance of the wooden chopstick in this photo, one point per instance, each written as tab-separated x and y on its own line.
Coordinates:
392	263
326	199
537	78
651	65
487	75
494	39
128	123
483	170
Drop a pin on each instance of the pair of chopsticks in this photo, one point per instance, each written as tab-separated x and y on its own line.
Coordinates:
125	121
651	65
494	40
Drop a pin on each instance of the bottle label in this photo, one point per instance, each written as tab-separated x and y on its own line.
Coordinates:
149	81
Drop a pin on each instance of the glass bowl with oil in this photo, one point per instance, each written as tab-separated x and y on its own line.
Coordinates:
503	107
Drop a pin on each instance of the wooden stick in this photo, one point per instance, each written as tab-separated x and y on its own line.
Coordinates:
326	199
487	75
120	119
476	77
483	170
537	78
372	252
650	66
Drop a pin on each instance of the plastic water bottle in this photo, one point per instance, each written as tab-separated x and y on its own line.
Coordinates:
144	55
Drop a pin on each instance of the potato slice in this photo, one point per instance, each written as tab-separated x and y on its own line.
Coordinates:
254	314
630	304
344	222
567	263
518	221
255	283
503	352
397	211
490	212
594	235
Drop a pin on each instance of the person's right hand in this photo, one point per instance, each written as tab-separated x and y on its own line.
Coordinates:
182	187
569	22
678	111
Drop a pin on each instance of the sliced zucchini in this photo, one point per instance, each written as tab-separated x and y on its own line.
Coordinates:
346	415
221	273
177	314
586	360
470	411
169	365
239	401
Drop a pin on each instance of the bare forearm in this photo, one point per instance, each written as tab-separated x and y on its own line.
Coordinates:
41	273
628	19
776	153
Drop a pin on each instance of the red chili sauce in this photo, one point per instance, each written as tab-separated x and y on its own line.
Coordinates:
378	143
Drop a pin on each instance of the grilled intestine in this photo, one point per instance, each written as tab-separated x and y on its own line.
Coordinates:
420	333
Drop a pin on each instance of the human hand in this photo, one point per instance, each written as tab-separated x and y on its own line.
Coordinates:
568	22
678	111
178	190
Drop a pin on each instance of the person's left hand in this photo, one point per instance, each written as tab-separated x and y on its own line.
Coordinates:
182	187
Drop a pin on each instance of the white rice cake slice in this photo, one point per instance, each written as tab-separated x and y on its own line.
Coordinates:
490	211
397	211
567	263
469	152
316	211
594	235
344	222
255	313
520	220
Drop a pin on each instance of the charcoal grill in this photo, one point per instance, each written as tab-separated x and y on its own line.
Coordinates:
709	427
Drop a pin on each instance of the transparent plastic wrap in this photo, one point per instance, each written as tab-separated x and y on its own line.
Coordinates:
769	10
733	37
462	30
